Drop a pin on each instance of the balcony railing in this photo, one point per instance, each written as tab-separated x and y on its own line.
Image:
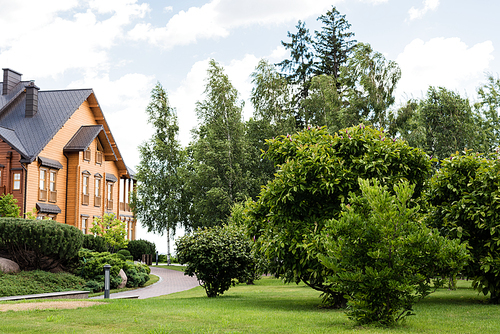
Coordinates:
42	195
85	199
124	207
98	157
53	196
97	200
2	190
109	204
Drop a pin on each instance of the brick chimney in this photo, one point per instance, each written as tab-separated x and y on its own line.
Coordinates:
31	99
10	80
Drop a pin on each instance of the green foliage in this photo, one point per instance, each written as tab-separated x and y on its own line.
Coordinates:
158	201
384	257
317	171
112	230
139	247
91	267
137	274
36	244
95	243
216	176
126	254
8	206
38	281
488	106
465	196
441	124
218	256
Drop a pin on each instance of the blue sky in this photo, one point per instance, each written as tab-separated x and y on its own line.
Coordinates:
121	48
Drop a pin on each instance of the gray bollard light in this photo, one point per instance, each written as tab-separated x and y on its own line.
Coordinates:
156	257
107	267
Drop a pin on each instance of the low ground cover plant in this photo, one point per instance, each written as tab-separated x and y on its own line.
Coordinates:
38	281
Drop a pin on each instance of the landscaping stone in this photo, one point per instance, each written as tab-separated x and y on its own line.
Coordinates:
124	279
8	266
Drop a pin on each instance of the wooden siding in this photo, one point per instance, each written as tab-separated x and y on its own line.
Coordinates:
69	178
9	158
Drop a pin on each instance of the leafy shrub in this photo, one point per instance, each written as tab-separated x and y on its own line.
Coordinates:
384	257
316	173
126	254
94	286
94	243
139	247
137	274
112	230
465	196
8	206
38	281
41	245
217	256
91	266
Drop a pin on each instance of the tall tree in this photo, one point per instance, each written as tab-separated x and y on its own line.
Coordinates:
367	81
442	123
217	177
333	44
158	201
300	67
488	106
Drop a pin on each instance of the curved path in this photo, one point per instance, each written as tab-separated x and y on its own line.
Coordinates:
170	281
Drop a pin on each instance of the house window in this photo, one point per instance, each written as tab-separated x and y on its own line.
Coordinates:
110	196
42	193
16	181
85	190
97	195
52	186
86	154
84	225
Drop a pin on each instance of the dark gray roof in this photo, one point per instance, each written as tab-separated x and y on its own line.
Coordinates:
83	138
131	172
47	208
10	137
34	133
110	177
50	163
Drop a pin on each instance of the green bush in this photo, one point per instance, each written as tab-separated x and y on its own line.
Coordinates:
139	247
217	256
8	206
94	243
38	281
36	244
383	257
91	266
316	173
465	199
137	274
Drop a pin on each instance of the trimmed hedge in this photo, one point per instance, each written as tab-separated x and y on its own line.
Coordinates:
39	244
139	247
95	243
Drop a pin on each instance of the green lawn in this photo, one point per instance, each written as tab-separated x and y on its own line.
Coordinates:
267	307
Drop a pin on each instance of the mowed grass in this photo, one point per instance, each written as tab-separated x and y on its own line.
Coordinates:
266	307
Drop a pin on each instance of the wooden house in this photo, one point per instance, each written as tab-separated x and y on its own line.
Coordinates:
58	156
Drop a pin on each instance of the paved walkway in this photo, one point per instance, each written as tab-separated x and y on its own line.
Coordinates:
170	281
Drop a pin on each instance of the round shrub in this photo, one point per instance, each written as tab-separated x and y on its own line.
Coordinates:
139	247
217	256
95	243
39	244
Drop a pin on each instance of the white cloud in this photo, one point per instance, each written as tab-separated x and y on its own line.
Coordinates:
375	2
419	13
216	19
51	45
446	62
